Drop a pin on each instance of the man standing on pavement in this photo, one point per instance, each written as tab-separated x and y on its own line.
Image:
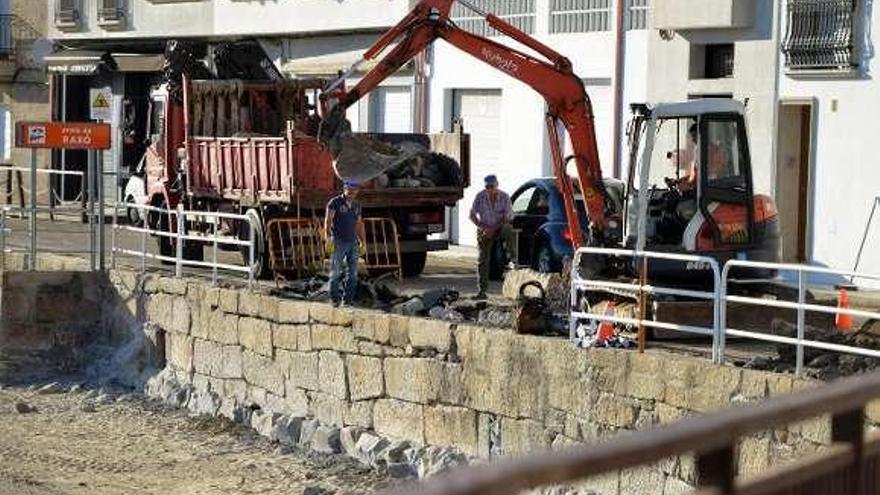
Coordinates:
492	213
344	229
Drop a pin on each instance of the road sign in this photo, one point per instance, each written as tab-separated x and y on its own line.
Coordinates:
63	135
101	104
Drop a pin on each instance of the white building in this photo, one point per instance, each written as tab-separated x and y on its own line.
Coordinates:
827	168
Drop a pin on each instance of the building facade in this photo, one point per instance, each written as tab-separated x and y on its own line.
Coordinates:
24	92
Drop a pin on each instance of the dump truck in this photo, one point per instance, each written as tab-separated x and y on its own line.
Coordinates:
252	148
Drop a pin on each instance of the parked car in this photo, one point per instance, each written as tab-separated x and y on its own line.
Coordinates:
539	215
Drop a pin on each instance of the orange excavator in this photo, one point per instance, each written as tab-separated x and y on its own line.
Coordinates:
712	210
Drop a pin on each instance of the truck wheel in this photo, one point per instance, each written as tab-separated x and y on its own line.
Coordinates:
413	264
261	270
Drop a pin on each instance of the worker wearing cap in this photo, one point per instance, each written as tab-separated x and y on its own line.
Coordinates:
492	213
344	229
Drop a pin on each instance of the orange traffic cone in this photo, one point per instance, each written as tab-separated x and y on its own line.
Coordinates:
606	328
843	322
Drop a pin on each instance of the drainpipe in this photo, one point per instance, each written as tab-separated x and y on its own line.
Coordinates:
619	74
420	94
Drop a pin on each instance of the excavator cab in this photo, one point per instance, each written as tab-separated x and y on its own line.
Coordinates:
690	184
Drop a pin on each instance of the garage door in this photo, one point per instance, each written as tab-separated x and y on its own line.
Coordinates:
480	112
393	109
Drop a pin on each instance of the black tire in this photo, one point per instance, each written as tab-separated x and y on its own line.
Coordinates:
544	261
261	255
413	264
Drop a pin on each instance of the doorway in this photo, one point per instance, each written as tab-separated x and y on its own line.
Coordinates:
793	164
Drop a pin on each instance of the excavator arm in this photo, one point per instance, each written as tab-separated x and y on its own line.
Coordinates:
566	98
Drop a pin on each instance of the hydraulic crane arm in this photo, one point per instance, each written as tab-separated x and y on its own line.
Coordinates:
566	98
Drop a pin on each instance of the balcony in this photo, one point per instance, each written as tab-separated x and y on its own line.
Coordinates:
16	37
690	15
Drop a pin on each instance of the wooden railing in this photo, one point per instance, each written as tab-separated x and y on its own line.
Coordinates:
850	466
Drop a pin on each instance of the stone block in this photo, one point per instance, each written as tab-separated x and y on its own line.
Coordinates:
365	378
452	427
331	375
180	317
333	338
289	336
360	414
667	414
399	419
294	312
754	456
569	386
430	334
180	352
296	402
779	385
173	285
413	379
228	300
303	370
210	296
614	411
249	303
328	315
714	387
503	372
452	384
643	480
217	360
348	438
326	440
328	410
223	328
287	429
366	348
256	335
160	307
236	389
398	328
263	372
754	385
372	326
520	436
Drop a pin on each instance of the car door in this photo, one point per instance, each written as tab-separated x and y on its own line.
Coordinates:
534	206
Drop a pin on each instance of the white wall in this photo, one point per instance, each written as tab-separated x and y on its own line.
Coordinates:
754	78
143	19
846	168
525	152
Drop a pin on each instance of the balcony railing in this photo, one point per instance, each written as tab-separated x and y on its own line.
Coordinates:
820	35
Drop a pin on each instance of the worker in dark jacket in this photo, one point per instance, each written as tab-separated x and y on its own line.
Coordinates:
492	213
344	229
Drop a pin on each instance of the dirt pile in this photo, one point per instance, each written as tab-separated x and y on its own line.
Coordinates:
819	363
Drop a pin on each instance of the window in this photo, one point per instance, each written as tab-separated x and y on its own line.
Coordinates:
521	203
111	10
67	12
519	13
637	14
712	61
724	154
820	35
580	16
540	204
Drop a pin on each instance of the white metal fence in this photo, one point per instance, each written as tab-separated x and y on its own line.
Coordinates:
580	285
212	237
721	297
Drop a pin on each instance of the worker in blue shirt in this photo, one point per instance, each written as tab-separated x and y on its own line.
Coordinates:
344	229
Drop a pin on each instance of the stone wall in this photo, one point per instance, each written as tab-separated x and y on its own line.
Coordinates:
482	392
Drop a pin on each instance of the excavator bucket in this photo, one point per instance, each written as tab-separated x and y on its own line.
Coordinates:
358	158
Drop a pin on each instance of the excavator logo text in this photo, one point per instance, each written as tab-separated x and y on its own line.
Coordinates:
500	61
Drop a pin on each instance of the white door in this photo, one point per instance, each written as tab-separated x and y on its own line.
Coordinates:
480	112
601	97
393	109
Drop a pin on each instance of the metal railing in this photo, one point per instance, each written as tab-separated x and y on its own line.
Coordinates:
296	247
382	252
848	466
179	234
801	306
642	289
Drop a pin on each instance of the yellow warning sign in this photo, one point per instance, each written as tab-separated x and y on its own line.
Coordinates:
101	103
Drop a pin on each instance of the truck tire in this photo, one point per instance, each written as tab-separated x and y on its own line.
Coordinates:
261	256
413	264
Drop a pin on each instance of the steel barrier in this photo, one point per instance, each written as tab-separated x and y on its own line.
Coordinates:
179	220
32	248
641	287
296	246
382	252
801	306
